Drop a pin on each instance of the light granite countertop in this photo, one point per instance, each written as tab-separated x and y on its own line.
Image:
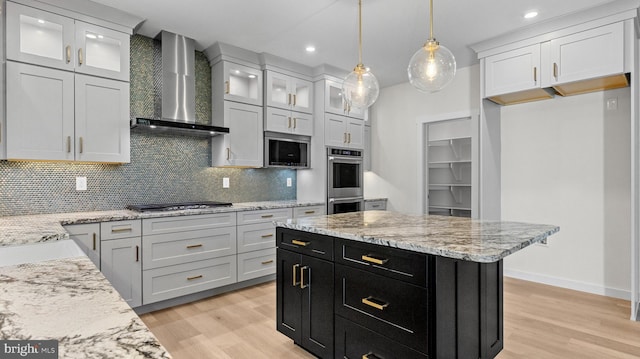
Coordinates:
19	230
453	237
69	300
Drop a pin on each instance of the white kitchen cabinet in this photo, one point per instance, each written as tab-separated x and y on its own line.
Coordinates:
288	92
121	265
235	82
256	264
366	158
335	103
286	121
513	71
375	205
87	237
342	131
40	113
101	120
56	115
588	54
43	38
243	146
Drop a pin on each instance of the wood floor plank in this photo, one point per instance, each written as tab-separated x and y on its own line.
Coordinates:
541	322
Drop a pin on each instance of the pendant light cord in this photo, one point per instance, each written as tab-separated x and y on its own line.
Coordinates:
430	19
360	32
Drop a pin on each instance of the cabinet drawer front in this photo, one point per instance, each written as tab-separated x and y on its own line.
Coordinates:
354	342
252	237
256	264
375	205
177	248
306	243
309	211
391	262
390	307
187	223
174	281
120	229
264	215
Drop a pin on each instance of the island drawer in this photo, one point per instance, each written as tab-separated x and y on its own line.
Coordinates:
161	250
390	262
306	243
355	342
396	309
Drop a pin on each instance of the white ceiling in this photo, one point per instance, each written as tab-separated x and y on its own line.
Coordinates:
392	29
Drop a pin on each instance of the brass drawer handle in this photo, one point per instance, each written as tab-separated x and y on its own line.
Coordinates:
195	277
268	262
370	301
81	144
295	273
302	285
555	70
68	48
94	241
194	246
267	215
300	243
370	356
309	212
267	235
369	258
118	230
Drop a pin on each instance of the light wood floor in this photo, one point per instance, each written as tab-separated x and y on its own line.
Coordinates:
540	322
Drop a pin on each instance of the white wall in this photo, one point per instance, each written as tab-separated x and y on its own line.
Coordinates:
394	138
566	161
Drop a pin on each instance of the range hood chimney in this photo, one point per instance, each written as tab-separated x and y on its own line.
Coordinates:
178	91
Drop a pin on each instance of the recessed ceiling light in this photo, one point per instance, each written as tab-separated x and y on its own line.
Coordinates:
92	36
237	72
252	76
40	21
530	14
310	48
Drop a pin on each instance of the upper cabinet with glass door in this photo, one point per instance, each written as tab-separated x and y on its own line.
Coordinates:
289	93
238	83
335	103
43	38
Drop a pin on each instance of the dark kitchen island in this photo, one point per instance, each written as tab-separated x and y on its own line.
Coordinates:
380	284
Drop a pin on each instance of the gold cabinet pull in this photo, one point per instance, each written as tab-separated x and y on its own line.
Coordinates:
344	140
268	262
68	144
289	124
300	243
289	101
369	258
68	51
295	121
309	212
555	70
227	87
228	153
302	285
94	241
295	274
535	74
267	235
267	215
194	277
137	254
81	141
80	56
294	99
194	246
349	137
118	230
370	356
372	302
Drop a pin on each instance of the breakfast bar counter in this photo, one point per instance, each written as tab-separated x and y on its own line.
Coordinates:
383	284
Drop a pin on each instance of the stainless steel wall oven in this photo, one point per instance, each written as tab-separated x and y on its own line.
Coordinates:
344	180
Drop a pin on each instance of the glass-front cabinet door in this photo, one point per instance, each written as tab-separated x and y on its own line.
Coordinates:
334	102
39	37
302	93
278	90
102	52
242	84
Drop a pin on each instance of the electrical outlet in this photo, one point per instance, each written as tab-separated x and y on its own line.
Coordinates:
612	104
289	183
81	183
225	182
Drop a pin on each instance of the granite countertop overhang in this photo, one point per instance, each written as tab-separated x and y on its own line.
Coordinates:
474	240
32	229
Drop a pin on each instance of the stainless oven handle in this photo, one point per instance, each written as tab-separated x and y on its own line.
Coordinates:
345	199
346	159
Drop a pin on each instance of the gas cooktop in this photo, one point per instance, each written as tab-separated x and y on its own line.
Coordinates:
160	207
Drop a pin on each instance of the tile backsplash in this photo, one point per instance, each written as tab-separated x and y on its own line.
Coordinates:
163	168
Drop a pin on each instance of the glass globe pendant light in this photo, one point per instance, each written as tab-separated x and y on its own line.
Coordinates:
433	66
360	88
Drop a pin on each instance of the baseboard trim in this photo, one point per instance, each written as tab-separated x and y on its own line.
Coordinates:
569	284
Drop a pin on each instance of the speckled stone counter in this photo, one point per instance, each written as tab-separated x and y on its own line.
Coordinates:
69	300
19	230
453	237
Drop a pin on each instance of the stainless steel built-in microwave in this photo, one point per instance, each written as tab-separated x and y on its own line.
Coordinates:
284	150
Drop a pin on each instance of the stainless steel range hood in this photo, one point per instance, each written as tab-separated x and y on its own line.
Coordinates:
178	91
